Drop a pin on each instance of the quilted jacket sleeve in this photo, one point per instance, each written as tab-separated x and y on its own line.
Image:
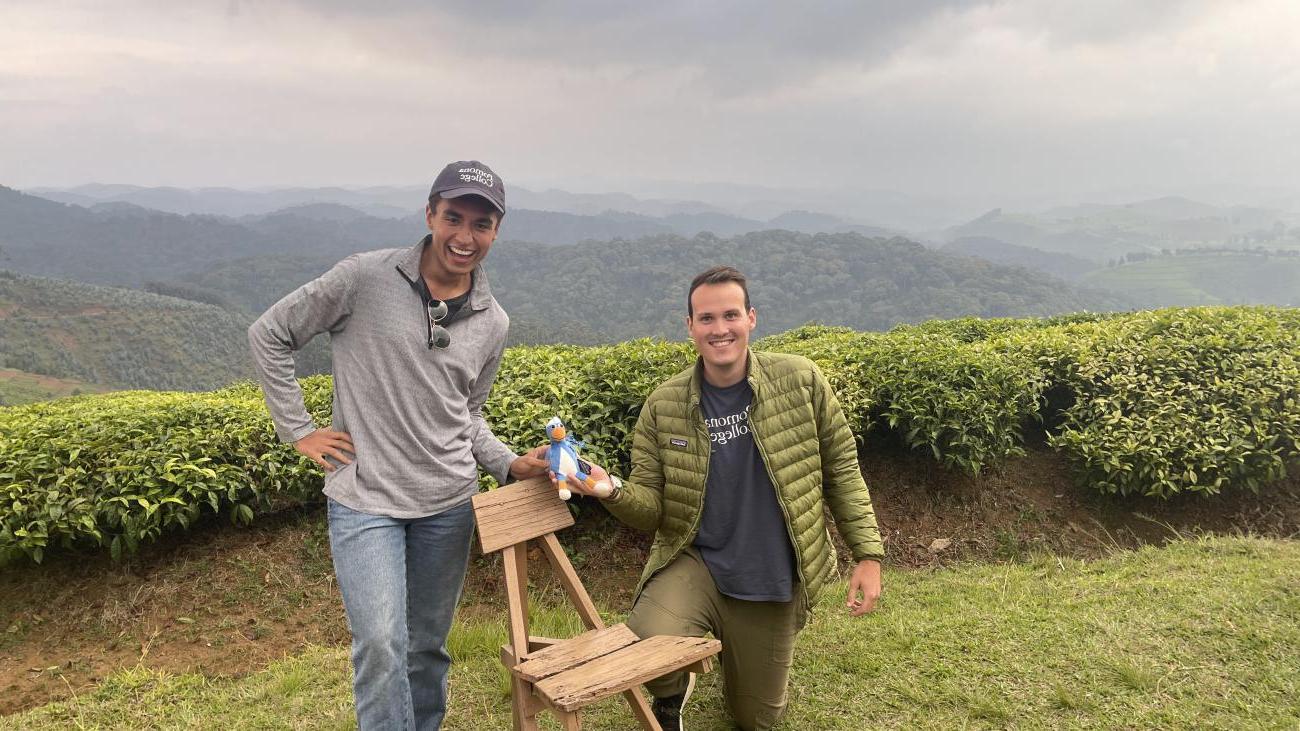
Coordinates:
640	504
843	487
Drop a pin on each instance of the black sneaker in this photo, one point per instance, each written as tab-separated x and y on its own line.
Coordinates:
668	711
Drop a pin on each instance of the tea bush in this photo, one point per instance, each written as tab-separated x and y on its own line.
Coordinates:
961	401
1175	401
1153	403
120	469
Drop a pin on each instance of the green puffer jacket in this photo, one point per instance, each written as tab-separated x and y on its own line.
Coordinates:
804	440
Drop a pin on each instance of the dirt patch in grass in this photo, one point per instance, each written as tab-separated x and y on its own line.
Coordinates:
226	601
223	601
1032	505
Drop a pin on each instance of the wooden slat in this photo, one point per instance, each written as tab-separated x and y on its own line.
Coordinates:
571	583
574	651
534	644
624	669
519	512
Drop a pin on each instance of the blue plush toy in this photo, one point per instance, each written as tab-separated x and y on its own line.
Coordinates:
563	456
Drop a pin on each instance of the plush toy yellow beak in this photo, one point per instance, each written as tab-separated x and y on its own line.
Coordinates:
557	433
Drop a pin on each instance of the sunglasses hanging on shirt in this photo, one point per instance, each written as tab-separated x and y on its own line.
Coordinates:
439	336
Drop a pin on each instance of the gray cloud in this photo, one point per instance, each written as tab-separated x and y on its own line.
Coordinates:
735	47
928	96
726	48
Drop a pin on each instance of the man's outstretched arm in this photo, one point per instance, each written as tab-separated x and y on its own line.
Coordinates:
640	503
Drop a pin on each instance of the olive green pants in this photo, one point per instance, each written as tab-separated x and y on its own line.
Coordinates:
757	637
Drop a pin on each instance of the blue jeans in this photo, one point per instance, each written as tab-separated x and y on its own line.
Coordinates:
400	580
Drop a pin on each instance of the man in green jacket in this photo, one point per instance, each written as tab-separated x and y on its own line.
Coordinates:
733	461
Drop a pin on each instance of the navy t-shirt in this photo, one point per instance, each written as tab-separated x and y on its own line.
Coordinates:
743	537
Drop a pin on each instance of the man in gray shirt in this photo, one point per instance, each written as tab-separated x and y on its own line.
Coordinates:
416	338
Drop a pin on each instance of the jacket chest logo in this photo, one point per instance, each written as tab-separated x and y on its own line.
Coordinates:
677	442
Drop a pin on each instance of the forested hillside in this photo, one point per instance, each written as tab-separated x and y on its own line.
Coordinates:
610	291
639	288
118	337
1065	266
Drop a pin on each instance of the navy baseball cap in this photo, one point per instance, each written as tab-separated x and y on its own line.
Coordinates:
470	177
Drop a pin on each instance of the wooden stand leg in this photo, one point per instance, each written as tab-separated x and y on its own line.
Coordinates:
570	721
525	718
641	709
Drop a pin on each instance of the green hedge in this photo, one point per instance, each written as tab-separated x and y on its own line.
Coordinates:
1183	401
964	402
1154	403
120	469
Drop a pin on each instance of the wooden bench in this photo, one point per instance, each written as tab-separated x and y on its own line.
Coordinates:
564	675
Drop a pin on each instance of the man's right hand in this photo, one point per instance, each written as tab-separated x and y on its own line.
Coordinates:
324	443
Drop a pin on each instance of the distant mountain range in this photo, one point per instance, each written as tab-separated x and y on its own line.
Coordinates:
120	242
381	202
622	273
209	276
899	212
1096	232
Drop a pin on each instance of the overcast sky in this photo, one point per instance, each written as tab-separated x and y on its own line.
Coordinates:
923	96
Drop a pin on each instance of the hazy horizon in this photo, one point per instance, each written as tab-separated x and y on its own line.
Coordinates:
961	100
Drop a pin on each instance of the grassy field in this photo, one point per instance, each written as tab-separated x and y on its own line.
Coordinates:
1203	633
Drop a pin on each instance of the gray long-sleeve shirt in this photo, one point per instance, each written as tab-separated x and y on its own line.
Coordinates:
414	413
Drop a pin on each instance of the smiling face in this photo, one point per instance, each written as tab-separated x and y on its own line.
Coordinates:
463	230
720	325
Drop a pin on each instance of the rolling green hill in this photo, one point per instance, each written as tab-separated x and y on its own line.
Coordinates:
1101	233
21	387
1193	279
118	337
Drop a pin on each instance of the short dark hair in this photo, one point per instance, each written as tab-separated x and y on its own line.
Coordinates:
717	275
435	197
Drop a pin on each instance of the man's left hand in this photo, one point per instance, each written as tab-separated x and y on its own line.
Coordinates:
864	587
531	464
578	487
